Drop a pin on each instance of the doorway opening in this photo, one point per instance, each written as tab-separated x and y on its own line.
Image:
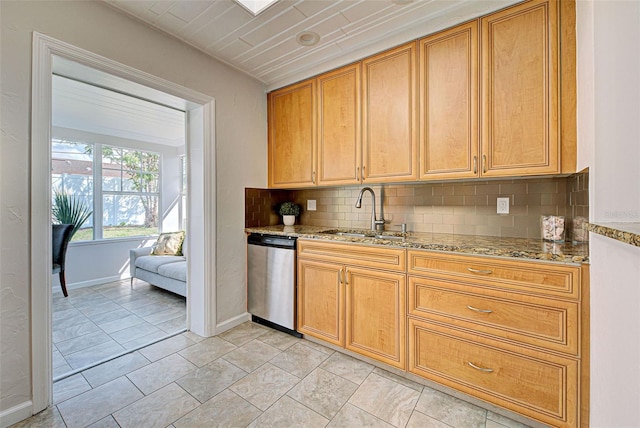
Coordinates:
52	56
119	172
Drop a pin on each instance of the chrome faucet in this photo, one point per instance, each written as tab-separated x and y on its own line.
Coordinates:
374	221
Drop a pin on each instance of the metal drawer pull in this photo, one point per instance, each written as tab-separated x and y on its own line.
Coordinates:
475	164
482	369
341	277
484	272
346	276
484	311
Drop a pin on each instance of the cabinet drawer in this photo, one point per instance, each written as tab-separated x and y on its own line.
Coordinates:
542	322
547	279
354	254
543	387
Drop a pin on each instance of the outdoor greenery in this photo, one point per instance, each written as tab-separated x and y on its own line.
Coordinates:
67	209
116	232
289	208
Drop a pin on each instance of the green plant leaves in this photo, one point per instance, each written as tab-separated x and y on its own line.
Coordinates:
67	209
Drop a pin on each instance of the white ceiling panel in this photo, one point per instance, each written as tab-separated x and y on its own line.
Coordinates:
264	46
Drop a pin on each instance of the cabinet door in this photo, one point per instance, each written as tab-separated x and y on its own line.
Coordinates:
449	98
321	301
339	141
376	315
292	136
389	116
520	91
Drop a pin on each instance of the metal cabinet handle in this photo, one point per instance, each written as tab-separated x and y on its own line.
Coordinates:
484	311
341	278
358	174
484	164
346	276
363	174
313	177
480	271
482	369
475	164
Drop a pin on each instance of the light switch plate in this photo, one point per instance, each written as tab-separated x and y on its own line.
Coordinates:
503	206
311	204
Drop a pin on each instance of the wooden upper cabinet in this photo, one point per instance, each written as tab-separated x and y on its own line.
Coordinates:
520	87
448	85
292	136
389	126
339	140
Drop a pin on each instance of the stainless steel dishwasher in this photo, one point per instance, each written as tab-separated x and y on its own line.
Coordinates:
271	281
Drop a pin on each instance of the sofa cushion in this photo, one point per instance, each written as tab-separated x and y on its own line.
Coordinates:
152	263
177	270
168	244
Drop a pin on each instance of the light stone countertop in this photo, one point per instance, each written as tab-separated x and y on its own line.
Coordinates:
514	248
629	233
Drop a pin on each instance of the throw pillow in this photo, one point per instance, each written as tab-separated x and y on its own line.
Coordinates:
168	244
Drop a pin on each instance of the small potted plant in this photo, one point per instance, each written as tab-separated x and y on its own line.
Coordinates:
289	211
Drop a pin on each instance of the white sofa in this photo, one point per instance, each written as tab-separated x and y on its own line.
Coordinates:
167	272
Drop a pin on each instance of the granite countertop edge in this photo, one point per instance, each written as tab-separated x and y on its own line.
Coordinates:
629	233
511	248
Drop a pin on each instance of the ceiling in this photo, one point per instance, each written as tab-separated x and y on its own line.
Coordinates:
265	46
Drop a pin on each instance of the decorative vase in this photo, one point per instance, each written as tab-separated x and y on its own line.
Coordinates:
289	220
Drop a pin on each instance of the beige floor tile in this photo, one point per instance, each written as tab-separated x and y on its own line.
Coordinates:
351	416
98	403
347	367
207	381
399	379
173	325
107	422
49	418
419	420
252	355
451	410
160	373
192	336
93	354
224	410
157	410
69	387
386	399
207	350
323	392
299	359
264	386
76	344
145	340
166	347
317	347
244	333
493	418
113	369
287	412
278	340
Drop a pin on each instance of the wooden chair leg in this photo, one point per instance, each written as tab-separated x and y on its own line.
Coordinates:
63	284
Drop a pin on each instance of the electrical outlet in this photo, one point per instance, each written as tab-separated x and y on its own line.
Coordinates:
311	204
503	205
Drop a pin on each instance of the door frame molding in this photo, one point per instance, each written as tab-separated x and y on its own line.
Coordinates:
201	224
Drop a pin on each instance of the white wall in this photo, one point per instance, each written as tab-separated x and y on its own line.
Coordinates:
240	139
609	143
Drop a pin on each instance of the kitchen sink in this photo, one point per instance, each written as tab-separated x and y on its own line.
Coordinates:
354	234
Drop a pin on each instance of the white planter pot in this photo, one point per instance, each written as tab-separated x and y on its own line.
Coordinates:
289	220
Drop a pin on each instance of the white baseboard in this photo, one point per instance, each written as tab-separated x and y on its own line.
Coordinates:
232	322
83	284
16	414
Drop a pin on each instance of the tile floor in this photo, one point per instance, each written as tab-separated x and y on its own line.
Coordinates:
250	376
97	322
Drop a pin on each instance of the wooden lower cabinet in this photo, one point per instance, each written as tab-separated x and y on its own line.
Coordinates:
376	315
539	385
353	304
321	301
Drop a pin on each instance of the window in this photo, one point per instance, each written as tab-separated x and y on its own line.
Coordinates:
127	189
